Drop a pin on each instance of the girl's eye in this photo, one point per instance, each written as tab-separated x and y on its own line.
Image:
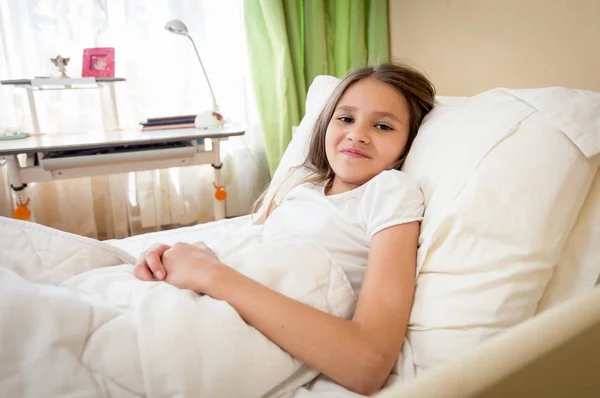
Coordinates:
382	126
345	119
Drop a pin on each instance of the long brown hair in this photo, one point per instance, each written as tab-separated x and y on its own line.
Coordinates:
408	81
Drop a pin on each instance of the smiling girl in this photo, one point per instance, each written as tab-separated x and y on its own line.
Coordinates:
350	197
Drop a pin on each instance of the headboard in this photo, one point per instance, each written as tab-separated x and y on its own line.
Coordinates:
469	46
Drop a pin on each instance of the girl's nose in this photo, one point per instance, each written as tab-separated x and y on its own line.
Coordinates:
357	133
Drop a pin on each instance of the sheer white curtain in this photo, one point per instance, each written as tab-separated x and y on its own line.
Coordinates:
163	78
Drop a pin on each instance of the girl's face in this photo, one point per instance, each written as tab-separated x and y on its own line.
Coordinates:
367	133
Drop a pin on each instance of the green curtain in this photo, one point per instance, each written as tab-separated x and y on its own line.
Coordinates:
290	42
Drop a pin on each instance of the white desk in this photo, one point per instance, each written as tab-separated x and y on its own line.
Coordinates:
62	156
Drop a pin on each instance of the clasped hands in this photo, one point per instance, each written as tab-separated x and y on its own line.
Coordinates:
184	265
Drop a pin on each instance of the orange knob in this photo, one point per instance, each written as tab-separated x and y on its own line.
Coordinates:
22	212
220	192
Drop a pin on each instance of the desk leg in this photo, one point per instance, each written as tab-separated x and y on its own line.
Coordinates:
33	111
113	100
220	193
110	118
22	211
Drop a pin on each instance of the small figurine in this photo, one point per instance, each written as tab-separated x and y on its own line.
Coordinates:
61	63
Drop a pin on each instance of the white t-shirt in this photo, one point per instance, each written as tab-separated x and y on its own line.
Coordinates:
344	224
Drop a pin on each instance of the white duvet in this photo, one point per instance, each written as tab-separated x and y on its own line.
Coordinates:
75	322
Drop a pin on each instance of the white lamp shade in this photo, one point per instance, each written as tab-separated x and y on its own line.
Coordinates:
177	27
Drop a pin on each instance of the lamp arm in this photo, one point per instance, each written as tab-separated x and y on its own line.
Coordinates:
214	100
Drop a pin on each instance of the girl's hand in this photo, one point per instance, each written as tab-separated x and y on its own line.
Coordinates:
190	266
149	266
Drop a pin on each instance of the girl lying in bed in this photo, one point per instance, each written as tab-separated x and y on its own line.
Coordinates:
351	198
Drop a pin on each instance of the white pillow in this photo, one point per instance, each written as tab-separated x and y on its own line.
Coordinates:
503	186
578	269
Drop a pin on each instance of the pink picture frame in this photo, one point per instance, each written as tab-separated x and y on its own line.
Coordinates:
98	62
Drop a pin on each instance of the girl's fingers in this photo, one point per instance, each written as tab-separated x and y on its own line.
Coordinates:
153	259
141	261
148	266
142	272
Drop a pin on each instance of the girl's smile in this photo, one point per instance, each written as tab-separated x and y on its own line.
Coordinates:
355	153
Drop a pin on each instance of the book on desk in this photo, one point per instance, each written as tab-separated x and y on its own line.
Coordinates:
169	122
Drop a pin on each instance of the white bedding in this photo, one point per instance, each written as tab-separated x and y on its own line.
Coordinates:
322	387
207	233
75	322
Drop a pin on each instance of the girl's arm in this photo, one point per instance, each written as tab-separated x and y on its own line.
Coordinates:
358	354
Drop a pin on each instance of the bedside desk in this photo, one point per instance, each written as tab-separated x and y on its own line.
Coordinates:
56	157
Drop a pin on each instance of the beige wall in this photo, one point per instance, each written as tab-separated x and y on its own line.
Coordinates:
469	46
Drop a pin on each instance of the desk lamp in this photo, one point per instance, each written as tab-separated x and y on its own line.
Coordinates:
209	118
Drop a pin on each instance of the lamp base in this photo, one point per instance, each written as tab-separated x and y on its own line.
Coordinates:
208	119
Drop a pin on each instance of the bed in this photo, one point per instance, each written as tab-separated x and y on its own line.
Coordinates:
515	278
507	301
534	348
508	249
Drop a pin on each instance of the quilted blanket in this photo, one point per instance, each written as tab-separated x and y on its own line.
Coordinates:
75	322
